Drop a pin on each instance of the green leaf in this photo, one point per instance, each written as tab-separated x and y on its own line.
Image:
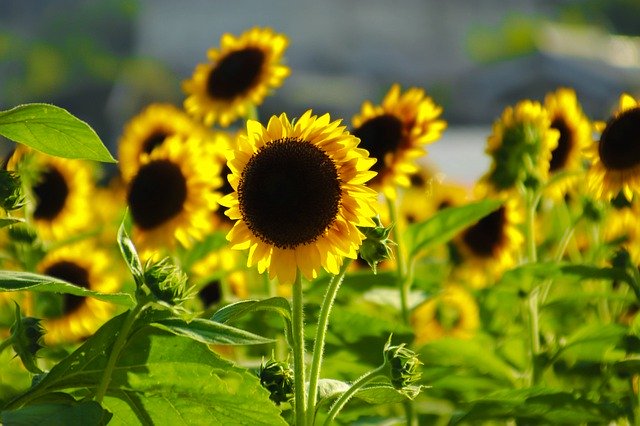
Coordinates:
18	281
375	393
447	223
161	378
57	414
234	311
54	131
130	254
210	332
8	221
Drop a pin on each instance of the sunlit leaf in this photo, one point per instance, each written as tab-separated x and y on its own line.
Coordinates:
54	131
130	254
210	332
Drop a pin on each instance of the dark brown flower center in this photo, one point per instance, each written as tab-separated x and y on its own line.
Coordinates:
157	193
380	135
236	73
73	273
153	141
289	193
211	293
487	234
619	146
51	193
560	155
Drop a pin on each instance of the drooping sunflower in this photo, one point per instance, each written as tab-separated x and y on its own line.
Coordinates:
173	194
491	245
615	159
77	317
574	127
299	195
148	130
62	190
520	145
395	133
452	313
239	75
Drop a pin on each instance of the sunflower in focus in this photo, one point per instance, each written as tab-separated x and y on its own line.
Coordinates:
77	317
395	133
299	195
568	118
62	190
452	313
173	194
239	75
148	130
615	160
520	144
491	245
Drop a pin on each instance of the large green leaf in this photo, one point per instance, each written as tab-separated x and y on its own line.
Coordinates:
18	281
54	131
57	414
161	378
234	311
447	223
210	332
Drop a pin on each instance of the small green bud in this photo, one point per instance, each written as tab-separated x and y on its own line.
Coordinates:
592	211
11	195
166	281
26	335
377	246
277	378
403	366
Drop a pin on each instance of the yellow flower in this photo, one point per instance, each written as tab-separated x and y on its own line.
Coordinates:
299	195
615	160
395	133
520	144
238	77
78	317
575	136
491	245
172	196
621	224
452	313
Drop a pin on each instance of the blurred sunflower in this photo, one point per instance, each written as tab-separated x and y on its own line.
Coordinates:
568	118
172	195
395	133
615	160
77	317
520	145
452	313
62	191
238	77
299	195
621	224
491	245
148	130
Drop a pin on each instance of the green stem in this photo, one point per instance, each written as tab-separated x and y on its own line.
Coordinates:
118	345
345	397
321	333
533	300
298	350
404	284
6	343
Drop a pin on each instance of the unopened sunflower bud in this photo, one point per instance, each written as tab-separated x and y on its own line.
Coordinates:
377	246
11	195
277	378
403	366
26	335
166	281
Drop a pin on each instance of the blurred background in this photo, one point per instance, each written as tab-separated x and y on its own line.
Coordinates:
104	60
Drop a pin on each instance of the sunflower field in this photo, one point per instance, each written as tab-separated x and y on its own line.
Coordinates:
311	270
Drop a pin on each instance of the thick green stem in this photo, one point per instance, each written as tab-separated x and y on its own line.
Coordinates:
318	344
298	350
118	345
345	397
533	300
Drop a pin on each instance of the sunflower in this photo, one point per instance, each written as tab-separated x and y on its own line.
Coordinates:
172	195
77	317
615	160
238	77
148	130
62	190
491	245
575	135
452	313
621	224
520	144
299	195
395	133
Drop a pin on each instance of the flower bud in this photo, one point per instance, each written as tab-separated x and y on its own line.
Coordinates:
403	366
166	281
277	378
11	195
377	246
26	335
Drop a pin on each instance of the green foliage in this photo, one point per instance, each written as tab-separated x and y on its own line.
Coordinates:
58	414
